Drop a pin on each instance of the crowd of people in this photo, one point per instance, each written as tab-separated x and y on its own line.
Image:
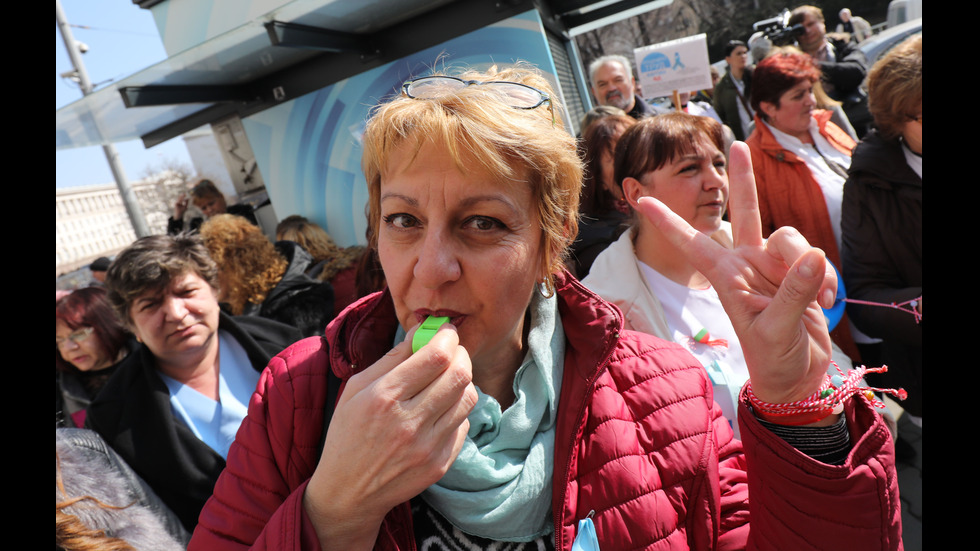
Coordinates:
637	346
158	358
791	108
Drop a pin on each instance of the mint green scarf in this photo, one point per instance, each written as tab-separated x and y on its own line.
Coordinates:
499	487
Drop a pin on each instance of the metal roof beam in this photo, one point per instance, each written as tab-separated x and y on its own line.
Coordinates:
294	35
425	30
613	11
186	124
142	96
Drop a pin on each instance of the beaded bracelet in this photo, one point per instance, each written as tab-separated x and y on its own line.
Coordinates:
829	399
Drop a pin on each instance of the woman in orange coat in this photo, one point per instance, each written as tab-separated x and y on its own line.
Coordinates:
800	160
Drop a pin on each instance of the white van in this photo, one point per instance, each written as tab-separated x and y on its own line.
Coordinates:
900	11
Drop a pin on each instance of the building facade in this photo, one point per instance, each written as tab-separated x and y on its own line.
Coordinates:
91	221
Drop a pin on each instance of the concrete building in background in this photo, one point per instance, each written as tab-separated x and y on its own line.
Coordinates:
91	221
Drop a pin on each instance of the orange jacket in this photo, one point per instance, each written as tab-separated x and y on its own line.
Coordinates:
788	193
790	196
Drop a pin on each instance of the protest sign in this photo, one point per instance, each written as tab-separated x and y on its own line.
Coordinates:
680	65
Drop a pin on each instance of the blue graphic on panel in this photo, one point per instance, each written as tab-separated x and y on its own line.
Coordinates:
655	62
309	149
677	61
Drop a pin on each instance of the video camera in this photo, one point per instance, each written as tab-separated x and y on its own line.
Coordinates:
778	31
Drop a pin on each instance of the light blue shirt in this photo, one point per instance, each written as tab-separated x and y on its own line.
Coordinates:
216	422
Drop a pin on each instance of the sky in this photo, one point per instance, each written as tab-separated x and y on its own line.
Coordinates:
122	39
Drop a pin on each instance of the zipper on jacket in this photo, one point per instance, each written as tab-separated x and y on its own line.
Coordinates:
603	365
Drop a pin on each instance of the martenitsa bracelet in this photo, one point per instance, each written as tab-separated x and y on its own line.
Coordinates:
829	399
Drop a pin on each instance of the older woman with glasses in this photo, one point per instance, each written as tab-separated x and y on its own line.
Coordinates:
91	342
489	400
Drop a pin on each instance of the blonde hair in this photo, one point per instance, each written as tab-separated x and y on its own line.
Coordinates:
316	241
895	87
249	266
528	145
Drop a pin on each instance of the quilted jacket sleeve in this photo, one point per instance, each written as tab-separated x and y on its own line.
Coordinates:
258	499
799	503
732	484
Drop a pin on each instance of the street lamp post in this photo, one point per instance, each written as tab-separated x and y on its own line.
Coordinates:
133	209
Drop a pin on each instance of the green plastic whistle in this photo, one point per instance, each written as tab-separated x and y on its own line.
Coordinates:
426	331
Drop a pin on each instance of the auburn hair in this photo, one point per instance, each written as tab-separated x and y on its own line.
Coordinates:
90	307
777	73
655	141
249	266
600	139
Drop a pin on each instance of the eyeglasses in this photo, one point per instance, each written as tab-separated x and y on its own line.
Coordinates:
514	94
76	336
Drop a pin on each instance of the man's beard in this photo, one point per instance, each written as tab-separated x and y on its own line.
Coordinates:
616	99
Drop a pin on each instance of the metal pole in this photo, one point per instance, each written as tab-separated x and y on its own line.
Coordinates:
129	200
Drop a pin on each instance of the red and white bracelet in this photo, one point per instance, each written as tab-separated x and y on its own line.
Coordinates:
829	399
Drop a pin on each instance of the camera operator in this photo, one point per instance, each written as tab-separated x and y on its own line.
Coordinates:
843	66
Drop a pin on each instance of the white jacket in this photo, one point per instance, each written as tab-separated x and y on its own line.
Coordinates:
616	277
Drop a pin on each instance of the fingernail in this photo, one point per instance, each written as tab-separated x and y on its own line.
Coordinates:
809	266
827	299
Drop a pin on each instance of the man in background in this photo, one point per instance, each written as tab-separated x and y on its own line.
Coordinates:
731	97
857	27
98	268
613	84
843	66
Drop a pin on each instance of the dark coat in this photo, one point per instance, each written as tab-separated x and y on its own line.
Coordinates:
642	109
175	226
298	300
595	233
842	78
133	415
845	73
725	101
881	226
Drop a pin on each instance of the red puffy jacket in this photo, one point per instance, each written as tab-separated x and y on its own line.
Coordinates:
638	440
